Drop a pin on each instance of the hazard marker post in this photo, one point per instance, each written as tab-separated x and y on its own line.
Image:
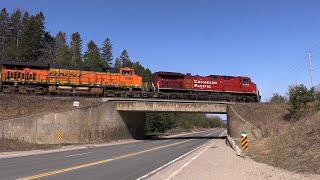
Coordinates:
60	137
244	143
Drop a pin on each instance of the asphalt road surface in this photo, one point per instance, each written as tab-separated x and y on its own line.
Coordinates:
126	161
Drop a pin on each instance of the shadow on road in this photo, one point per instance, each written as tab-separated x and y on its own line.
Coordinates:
189	137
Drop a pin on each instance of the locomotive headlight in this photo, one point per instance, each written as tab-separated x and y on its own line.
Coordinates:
136	85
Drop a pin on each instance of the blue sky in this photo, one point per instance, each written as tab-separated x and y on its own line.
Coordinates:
266	40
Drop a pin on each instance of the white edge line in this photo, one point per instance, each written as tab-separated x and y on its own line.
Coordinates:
186	164
129	146
158	169
78	154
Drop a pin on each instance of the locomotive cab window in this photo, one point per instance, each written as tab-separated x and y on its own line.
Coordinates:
246	80
126	72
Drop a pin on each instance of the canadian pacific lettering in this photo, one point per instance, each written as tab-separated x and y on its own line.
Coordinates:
203	84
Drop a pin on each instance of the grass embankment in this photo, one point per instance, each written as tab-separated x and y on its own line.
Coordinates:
293	146
14	106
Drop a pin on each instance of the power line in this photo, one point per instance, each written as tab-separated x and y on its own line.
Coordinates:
294	72
311	49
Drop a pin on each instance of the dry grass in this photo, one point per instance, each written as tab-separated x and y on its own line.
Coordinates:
293	146
13	106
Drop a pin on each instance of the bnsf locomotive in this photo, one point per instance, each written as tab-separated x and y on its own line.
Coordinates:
44	78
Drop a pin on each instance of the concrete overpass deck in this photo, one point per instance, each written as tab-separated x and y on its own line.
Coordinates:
164	100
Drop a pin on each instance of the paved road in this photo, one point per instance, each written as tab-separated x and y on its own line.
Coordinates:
125	161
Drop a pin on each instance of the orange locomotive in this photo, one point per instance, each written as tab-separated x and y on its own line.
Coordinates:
43	78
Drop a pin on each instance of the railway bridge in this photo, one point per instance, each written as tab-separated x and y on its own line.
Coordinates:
114	119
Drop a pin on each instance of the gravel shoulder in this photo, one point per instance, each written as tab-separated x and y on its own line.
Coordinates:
218	161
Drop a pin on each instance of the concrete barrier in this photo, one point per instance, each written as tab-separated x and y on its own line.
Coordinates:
234	146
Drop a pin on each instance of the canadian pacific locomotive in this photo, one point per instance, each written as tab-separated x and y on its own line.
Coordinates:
44	78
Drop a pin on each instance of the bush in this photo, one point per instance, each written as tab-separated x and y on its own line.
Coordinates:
159	122
299	97
277	98
317	97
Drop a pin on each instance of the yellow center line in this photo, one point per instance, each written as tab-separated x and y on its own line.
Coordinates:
97	162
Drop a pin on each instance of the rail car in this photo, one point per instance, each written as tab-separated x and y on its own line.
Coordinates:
44	78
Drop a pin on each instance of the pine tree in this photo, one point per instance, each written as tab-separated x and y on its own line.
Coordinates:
124	58
39	34
106	54
15	34
48	50
141	71
92	56
25	19
32	37
23	44
62	52
117	63
4	33
76	47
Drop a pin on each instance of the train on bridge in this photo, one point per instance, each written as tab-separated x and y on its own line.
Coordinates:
51	79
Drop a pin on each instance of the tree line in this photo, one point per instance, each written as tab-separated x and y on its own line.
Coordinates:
163	122
23	37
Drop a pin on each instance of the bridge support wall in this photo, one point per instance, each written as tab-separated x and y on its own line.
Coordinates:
236	124
99	123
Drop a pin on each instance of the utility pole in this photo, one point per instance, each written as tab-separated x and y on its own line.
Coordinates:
310	68
275	88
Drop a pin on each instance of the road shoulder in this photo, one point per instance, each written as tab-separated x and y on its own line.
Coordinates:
218	161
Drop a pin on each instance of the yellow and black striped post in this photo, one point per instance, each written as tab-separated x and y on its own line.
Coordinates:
60	137
244	142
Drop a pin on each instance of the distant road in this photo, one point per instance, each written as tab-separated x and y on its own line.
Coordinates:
125	161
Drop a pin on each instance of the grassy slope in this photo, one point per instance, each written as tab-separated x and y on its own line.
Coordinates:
13	106
290	145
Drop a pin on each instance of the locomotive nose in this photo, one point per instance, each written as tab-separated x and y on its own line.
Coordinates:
258	95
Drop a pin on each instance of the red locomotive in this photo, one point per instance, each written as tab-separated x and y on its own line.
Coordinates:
213	87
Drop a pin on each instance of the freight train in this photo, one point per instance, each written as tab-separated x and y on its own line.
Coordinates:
44	79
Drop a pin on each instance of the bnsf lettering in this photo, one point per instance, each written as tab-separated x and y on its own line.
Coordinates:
128	78
63	74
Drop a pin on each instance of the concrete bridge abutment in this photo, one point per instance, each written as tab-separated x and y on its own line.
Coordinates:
111	120
98	123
